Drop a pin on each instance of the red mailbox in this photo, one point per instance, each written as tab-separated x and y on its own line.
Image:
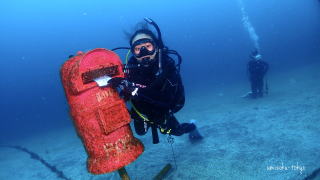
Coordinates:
99	114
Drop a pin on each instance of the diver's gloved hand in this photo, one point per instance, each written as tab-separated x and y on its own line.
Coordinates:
116	82
127	88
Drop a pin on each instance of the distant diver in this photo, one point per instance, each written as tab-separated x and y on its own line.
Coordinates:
257	69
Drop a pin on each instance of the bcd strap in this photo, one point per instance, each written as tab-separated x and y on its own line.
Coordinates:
155	136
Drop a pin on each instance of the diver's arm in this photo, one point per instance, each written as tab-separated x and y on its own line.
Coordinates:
149	99
249	64
266	67
150	94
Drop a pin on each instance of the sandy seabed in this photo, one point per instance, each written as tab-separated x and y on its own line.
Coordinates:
275	137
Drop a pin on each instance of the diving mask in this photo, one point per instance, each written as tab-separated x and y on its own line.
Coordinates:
143	48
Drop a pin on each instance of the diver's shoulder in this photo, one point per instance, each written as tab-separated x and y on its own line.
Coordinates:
167	60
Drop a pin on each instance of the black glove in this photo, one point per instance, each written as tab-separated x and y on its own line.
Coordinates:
127	88
115	82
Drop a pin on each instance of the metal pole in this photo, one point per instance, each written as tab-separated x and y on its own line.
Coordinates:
123	174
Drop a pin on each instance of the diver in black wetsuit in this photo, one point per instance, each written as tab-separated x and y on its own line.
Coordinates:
257	69
154	85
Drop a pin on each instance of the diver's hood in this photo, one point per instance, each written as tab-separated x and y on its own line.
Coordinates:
139	37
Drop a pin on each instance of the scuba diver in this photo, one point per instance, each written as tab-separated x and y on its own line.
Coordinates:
153	84
257	69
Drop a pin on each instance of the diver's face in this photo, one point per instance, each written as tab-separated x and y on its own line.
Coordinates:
144	49
149	46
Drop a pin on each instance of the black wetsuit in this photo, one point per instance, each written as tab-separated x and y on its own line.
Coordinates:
257	70
163	96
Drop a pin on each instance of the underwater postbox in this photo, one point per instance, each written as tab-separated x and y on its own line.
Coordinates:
99	114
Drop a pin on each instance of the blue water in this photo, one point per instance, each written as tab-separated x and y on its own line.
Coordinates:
214	38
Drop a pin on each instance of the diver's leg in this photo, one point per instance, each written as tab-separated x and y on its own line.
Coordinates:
260	87
176	128
253	81
173	127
